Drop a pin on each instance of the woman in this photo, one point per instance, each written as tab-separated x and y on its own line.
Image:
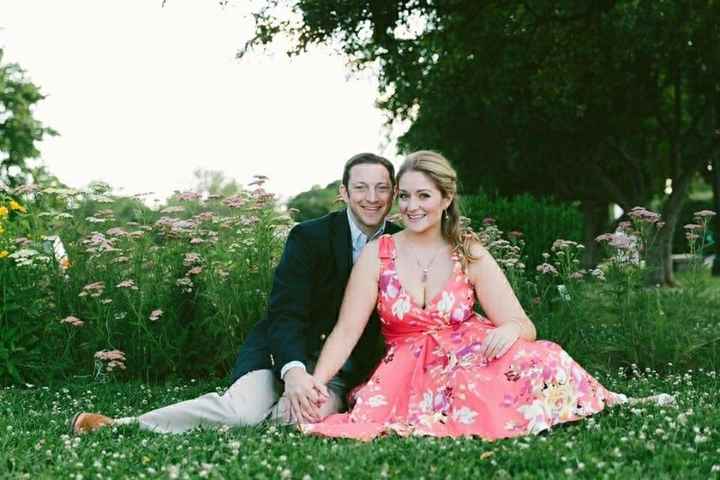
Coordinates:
448	371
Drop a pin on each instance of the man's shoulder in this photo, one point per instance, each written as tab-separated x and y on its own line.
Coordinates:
320	227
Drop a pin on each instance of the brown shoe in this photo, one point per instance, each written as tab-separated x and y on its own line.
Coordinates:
84	422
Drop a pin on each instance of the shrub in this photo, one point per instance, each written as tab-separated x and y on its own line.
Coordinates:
608	318
173	291
540	221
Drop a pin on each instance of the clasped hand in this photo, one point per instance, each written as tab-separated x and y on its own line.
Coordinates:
499	340
306	395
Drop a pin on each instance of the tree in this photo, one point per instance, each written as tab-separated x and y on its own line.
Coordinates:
19	130
597	101
315	202
214	182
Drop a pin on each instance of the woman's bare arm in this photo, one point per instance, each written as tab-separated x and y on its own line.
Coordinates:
499	302
358	304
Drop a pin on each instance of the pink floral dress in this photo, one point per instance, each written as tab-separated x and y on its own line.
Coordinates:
433	381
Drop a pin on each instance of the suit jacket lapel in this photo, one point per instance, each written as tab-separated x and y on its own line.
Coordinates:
342	246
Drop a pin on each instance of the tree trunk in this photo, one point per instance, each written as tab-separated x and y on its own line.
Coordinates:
660	271
716	206
595	222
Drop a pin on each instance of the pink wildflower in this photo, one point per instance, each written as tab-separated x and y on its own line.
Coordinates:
644	215
546	268
562	245
195	271
205	216
127	284
235	201
191	258
72	321
114	358
187	196
704	214
155	315
597	273
93	289
22	242
488	221
116	232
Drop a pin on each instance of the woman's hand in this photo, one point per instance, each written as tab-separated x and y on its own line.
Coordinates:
305	394
499	340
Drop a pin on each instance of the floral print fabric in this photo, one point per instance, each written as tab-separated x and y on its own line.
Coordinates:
433	381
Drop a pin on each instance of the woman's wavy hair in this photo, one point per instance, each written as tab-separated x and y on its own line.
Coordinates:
443	175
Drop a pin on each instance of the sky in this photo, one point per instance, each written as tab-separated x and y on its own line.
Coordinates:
143	95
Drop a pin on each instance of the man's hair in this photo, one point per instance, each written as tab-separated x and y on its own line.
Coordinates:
367	158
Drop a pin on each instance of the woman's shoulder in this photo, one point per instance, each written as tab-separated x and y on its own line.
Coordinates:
477	250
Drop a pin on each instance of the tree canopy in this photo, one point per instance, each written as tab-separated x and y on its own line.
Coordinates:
597	101
19	130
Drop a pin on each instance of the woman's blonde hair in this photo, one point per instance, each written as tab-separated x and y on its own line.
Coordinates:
443	175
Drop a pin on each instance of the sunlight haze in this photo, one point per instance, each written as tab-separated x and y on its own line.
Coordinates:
142	95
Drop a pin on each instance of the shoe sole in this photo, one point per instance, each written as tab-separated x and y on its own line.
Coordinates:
71	424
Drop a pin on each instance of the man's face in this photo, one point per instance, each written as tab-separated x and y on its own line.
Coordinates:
369	195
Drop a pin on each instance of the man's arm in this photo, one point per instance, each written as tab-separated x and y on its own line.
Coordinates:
290	303
290	300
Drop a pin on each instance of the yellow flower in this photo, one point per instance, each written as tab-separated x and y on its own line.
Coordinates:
4	253
16	206
4	212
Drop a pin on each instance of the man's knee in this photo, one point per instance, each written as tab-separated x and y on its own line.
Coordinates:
251	397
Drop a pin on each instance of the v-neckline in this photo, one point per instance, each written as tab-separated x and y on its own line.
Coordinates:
407	293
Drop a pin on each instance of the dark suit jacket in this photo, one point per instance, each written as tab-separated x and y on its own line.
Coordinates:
307	292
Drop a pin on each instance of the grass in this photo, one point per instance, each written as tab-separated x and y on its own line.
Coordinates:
681	441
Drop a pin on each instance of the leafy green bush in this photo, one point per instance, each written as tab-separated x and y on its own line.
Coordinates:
315	202
540	221
168	292
609	318
150	294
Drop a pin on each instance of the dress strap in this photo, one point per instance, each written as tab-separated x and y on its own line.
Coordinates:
386	247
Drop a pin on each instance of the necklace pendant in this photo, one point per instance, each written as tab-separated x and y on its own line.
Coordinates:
424	275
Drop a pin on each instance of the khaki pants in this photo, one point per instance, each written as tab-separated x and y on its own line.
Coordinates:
253	398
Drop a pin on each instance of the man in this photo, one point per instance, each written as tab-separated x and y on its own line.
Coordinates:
272	375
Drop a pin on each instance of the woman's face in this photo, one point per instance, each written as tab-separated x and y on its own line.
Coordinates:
421	202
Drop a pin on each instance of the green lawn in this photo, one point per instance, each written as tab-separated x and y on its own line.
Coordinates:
649	442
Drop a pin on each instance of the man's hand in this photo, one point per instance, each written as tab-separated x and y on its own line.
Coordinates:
305	394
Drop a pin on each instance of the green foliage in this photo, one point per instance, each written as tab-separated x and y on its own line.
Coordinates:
609	318
541	221
315	202
174	291
588	101
680	242
19	130
626	442
95	285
